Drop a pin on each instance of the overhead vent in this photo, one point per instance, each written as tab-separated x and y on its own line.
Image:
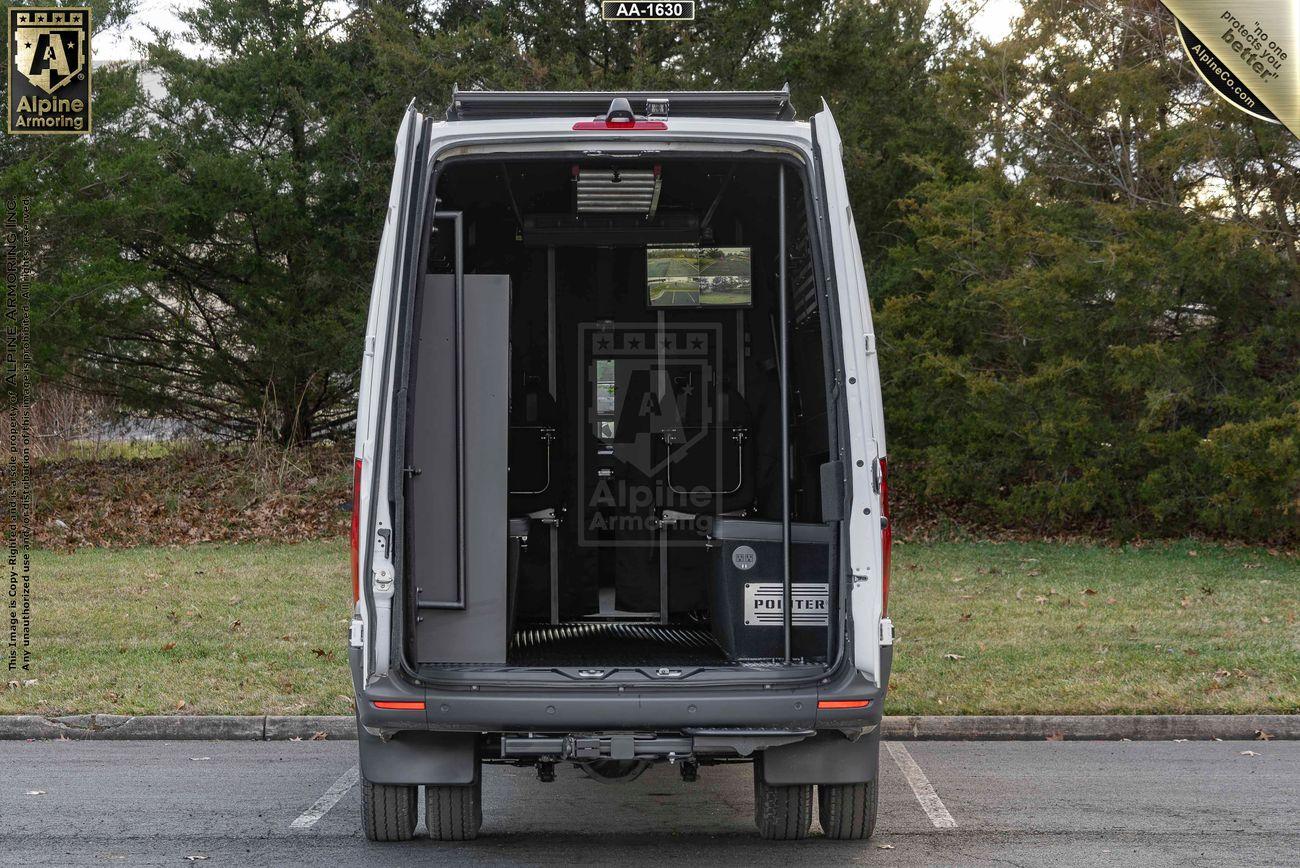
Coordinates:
617	190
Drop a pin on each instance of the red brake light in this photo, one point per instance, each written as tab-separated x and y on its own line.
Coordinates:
844	703
886	535
355	538
620	125
399	706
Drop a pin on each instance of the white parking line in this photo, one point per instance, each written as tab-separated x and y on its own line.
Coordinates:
309	817
925	794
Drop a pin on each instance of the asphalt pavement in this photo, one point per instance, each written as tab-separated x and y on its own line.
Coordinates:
942	803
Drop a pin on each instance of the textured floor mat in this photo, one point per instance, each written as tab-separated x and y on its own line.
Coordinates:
614	644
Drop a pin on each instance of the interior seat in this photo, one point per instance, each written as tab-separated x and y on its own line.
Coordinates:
534	496
708	471
710	467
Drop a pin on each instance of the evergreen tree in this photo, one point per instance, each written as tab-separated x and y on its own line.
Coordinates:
232	221
1100	327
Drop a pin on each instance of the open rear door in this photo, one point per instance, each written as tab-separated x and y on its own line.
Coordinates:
865	416
454	535
373	522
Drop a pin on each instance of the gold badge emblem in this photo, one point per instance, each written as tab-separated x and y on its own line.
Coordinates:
49	48
49	69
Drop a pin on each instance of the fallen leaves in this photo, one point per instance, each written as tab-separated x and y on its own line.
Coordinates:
953	657
245	494
1261	735
1249	753
319	735
180	703
169	646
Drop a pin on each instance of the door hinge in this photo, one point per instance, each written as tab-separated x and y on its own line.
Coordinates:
886	631
869	341
412	471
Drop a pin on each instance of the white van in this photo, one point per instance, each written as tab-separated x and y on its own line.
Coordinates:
621	488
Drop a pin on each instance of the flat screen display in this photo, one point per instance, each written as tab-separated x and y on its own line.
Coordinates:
699	277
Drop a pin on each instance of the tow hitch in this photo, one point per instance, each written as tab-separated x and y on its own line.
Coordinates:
674	747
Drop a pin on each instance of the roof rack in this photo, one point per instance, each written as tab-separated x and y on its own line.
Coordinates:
467	105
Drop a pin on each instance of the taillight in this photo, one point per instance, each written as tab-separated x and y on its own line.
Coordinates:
620	125
886	535
355	538
844	703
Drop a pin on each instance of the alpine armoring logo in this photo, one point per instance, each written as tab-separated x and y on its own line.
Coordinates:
49	70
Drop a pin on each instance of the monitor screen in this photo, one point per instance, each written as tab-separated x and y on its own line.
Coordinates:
698	277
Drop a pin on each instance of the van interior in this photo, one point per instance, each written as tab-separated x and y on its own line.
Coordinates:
593	423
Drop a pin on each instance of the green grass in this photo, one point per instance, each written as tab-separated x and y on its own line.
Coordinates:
222	628
229	629
97	450
1171	628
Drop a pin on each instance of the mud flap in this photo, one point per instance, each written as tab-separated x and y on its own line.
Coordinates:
827	758
414	757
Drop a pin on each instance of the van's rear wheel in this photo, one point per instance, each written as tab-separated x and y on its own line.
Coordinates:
782	813
848	811
388	811
454	813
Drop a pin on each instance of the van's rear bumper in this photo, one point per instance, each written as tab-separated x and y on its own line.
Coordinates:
664	709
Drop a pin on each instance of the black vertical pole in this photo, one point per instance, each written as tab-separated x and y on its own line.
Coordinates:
783	371
552	338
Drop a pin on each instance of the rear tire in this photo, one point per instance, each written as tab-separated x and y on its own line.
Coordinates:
454	813
848	811
388	811
782	813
